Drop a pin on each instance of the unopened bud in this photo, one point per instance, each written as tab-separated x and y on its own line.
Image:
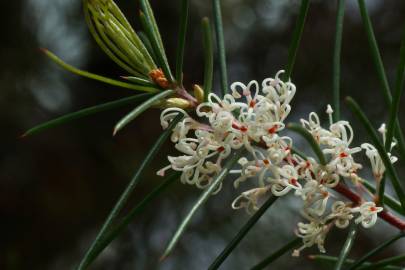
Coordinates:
178	103
198	93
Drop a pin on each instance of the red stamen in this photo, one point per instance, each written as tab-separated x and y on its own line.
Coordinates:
294	182
273	129
343	155
252	103
266	161
220	149
243	129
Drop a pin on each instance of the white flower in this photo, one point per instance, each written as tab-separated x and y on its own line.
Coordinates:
252	116
341	214
368	214
249	199
377	165
312	233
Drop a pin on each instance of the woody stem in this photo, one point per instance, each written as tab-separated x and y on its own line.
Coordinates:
385	215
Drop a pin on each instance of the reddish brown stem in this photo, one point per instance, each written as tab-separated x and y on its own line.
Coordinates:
385	215
393	220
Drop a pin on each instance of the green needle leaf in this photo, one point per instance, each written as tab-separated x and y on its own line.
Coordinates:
242	233
102	41
208	57
152	30
148	45
310	139
297	34
125	221
91	253
181	41
336	59
375	53
140	109
376	250
385	262
201	200
139	81
277	254
89	75
219	33
85	112
396	98
378	63
299	153
347	246
380	147
331	259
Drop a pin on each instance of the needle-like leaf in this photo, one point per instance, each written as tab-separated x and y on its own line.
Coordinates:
91	253
216	182
152	30
346	247
336	59
396	98
125	221
242	233
358	112
140	109
310	139
385	262
208	57
89	75
219	33
181	41
85	112
376	250
277	254
331	259
378	63
139	81
297	34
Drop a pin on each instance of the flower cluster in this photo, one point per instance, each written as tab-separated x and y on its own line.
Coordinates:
252	118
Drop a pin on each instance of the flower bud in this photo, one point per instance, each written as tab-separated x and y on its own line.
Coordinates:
178	103
198	93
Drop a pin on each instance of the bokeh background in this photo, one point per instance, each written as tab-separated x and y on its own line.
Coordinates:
57	187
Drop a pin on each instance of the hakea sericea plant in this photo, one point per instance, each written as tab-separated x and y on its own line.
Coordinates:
252	117
242	134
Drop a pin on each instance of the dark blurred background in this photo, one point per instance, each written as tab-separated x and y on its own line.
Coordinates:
57	187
